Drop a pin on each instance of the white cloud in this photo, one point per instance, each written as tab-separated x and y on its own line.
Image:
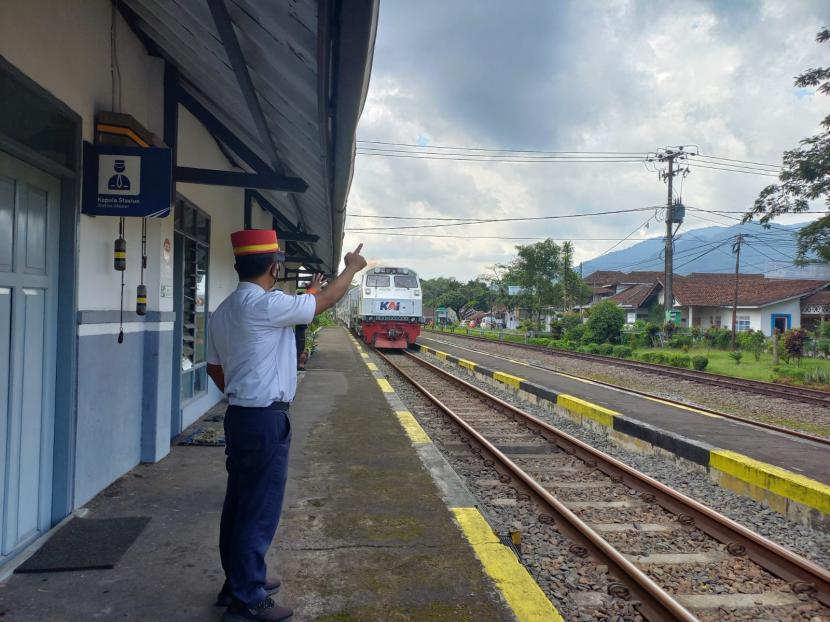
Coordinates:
623	76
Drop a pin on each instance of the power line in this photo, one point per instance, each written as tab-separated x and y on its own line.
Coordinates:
496	237
492	220
503	160
484	149
729	170
708	157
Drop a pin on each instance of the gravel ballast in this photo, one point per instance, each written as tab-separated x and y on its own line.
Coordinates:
786	413
578	586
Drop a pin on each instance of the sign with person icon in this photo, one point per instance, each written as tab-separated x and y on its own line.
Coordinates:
126	181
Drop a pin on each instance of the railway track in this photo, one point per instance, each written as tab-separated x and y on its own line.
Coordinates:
646	534
758	424
799	394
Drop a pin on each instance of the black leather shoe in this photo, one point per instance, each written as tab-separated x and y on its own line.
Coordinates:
224	598
266	611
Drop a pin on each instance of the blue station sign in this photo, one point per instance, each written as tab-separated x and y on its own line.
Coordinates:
126	181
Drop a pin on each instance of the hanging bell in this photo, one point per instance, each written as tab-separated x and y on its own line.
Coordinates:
120	255
141	300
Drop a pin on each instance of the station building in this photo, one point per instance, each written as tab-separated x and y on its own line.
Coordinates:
257	103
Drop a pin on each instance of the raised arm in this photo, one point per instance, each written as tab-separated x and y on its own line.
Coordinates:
337	288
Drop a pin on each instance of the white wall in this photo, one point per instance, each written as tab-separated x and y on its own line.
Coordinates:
75	68
224	205
791	307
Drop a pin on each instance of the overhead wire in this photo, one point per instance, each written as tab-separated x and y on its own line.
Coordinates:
512	219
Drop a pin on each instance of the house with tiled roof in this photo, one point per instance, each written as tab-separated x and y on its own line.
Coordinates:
706	299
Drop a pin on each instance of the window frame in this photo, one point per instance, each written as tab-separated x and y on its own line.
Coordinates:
193	226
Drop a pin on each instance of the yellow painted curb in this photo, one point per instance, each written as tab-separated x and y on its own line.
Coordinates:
522	593
441	355
384	385
412	428
372	366
599	414
467	364
364	355
782	482
513	381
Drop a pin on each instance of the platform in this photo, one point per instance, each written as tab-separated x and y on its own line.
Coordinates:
792	468
366	534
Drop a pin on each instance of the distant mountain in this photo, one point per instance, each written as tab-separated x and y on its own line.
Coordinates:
708	250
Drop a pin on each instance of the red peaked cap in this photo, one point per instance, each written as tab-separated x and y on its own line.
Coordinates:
256	242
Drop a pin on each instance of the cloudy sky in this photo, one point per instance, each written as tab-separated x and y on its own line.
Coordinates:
581	75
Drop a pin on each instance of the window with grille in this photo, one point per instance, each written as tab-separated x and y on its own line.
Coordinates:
192	227
742	323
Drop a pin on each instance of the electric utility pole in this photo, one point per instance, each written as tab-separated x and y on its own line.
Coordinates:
675	212
736	248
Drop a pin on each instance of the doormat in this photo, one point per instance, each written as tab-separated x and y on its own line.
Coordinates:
86	544
205	437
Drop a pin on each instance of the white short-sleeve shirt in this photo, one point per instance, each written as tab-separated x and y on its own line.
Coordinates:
251	337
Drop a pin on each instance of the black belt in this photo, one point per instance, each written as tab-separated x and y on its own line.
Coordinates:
272	406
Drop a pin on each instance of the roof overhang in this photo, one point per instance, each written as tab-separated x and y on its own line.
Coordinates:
285	83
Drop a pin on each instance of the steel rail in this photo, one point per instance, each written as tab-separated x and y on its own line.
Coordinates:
760	424
804	575
655	603
800	394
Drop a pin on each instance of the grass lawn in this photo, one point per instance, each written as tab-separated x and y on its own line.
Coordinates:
720	363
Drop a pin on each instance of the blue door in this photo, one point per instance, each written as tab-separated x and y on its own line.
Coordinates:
29	211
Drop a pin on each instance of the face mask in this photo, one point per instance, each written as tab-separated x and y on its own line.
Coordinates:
273	275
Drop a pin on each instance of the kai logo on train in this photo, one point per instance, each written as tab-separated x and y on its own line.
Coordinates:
389	305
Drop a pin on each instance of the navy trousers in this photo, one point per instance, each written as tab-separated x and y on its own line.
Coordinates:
256	445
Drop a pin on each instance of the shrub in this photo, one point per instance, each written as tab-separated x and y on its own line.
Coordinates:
695	333
537	341
680	341
700	362
574	333
794	341
669	329
736	356
606	349
679	360
718	337
622	352
799	375
818	375
606	322
570	345
824	345
753	341
646	357
652	331
592	348
654	357
583	349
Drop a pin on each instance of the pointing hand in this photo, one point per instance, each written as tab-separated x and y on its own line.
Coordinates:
355	260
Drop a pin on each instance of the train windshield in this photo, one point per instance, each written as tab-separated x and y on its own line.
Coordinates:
406	280
378	280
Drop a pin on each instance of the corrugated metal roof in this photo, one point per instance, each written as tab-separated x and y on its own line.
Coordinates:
309	63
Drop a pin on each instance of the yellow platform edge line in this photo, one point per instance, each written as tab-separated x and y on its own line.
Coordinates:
798	488
513	381
372	366
601	415
384	385
412	428
523	595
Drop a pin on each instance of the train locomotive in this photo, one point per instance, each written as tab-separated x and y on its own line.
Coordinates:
385	308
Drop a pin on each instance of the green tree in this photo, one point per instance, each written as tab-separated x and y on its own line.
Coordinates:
605	322
537	268
805	176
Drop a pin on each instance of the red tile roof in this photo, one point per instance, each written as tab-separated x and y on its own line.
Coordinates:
634	296
708	289
604	277
754	290
819	298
